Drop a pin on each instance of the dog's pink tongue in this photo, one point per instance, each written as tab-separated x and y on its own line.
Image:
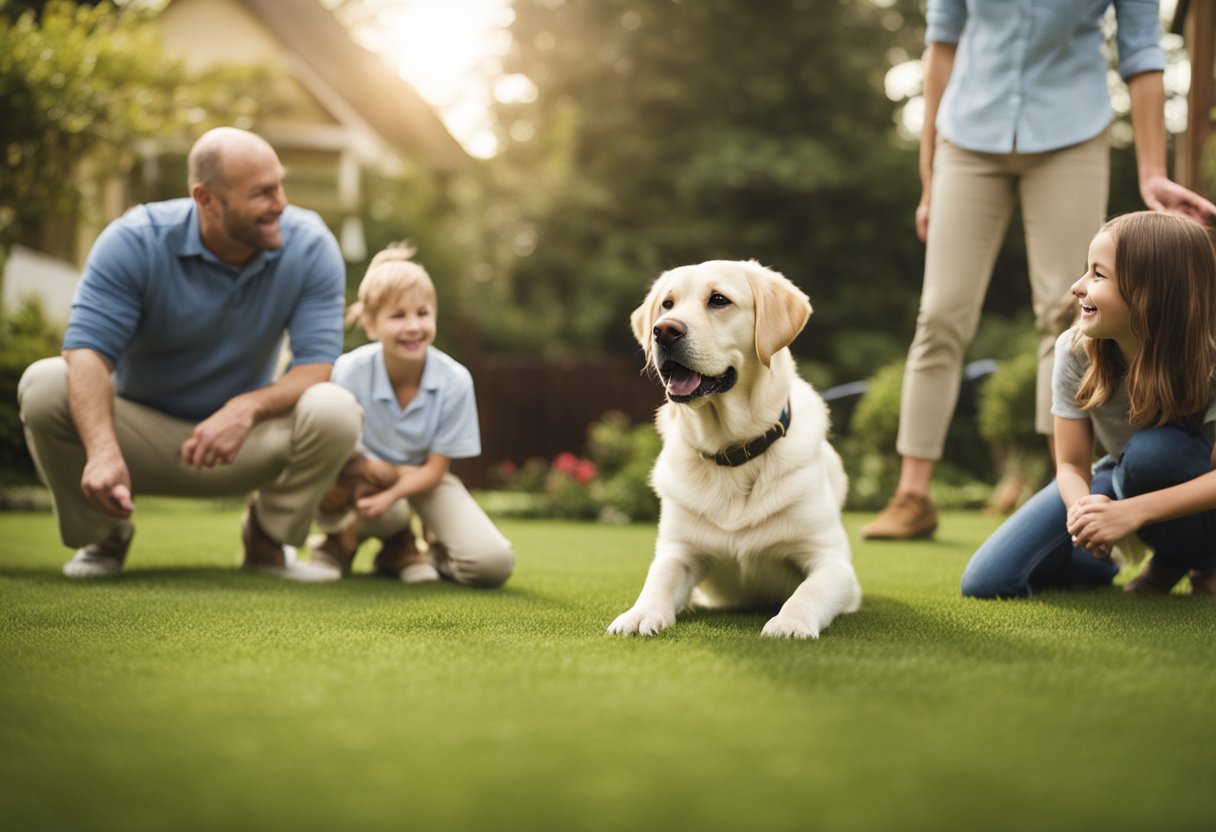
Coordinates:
683	382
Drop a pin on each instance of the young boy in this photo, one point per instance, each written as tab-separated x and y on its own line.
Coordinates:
420	413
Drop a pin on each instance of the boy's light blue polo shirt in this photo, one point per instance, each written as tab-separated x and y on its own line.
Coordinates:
441	418
1030	75
187	332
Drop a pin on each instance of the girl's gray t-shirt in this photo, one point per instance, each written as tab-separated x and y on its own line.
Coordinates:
1111	428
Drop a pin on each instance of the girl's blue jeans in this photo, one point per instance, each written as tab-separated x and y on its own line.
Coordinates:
1033	550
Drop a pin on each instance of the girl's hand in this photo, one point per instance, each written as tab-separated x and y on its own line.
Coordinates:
375	505
1097	523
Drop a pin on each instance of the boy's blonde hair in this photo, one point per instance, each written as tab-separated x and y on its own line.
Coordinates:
391	273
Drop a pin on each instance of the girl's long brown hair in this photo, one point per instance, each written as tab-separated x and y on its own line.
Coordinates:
1165	269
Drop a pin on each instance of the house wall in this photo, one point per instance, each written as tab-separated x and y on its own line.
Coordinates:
207	32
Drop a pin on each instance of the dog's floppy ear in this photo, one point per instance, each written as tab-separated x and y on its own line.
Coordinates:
782	310
643	318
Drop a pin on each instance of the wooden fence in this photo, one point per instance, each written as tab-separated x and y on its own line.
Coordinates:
532	407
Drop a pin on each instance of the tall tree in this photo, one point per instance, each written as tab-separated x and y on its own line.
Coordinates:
664	132
79	85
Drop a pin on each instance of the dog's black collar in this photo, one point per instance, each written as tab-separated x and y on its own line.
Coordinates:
736	455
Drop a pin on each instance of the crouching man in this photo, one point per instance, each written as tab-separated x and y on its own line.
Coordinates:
165	384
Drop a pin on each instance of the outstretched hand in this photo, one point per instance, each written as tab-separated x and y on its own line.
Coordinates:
1161	194
107	483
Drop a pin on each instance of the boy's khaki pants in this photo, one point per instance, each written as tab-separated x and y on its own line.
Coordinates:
473	551
1063	198
288	460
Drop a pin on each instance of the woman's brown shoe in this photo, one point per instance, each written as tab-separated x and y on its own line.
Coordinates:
906	517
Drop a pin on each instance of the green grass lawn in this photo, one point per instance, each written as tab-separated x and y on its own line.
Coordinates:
187	695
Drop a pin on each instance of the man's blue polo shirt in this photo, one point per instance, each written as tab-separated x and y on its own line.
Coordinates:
441	418
186	332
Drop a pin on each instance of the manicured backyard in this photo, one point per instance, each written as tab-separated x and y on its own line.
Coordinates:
186	695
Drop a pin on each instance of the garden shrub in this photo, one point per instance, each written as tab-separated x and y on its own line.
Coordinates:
1006	399
612	484
872	463
869	449
26	335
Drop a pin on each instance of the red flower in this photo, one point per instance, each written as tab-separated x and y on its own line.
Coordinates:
584	471
565	463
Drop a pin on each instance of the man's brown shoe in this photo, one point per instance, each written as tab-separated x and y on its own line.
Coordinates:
265	554
905	517
101	559
1155	579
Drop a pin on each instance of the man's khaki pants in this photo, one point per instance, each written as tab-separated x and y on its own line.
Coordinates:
289	460
473	552
1063	197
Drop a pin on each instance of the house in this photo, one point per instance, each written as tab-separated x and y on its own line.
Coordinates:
347	115
348	112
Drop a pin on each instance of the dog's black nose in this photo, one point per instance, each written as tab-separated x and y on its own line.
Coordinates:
667	332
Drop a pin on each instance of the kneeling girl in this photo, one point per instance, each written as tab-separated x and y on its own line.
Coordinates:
1133	379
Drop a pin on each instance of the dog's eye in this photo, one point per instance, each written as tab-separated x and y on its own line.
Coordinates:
667	304
719	300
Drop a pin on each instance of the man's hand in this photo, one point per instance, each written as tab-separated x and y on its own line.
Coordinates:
217	439
1097	523
107	484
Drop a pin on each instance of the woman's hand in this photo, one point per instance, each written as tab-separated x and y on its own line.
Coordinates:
1097	523
922	217
1160	194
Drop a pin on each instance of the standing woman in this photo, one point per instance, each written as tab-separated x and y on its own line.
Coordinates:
1016	111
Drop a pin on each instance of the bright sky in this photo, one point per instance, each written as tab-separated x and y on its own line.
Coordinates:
451	50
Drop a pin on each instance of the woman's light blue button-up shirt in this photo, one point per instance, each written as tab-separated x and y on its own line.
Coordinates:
1030	75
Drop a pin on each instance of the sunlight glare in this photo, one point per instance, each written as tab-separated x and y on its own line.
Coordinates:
450	53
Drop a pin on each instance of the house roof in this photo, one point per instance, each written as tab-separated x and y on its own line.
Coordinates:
381	96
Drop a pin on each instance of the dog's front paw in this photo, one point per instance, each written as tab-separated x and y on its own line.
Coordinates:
639	622
787	626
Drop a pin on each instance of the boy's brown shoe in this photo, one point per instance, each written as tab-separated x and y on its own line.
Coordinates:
338	548
396	553
1155	579
905	517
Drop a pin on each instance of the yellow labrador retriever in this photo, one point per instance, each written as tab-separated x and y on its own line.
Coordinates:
751	491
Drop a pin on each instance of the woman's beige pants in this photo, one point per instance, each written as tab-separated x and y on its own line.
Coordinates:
1063	197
